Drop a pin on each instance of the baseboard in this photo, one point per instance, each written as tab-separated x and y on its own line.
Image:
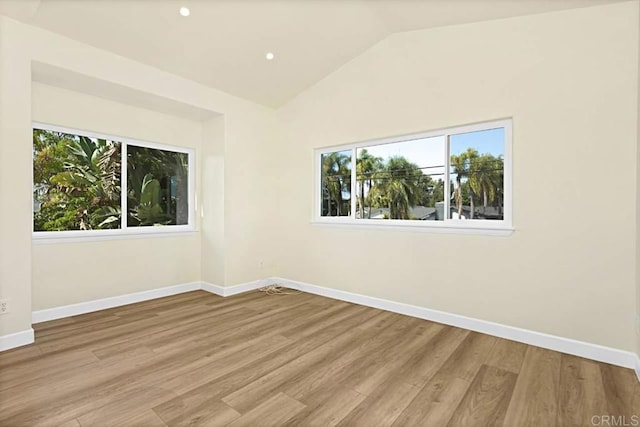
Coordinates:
565	345
227	291
104	303
18	339
597	352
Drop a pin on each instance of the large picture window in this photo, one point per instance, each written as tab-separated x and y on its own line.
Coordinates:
452	178
86	184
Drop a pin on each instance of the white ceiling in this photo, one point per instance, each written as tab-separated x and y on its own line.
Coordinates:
223	43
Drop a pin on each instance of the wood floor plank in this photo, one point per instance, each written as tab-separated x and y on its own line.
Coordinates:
535	397
621	390
486	400
225	363
44	366
124	409
333	369
468	357
507	355
20	355
258	390
146	418
383	406
71	423
273	412
327	406
437	401
210	412
197	397
252	359
368	374
582	393
424	364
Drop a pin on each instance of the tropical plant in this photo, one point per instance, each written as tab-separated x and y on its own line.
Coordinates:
477	175
366	167
399	186
157	187
336	181
76	182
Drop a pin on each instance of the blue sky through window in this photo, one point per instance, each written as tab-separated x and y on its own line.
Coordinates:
429	153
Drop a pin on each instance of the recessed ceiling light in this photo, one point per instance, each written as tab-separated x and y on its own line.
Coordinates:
184	11
269	56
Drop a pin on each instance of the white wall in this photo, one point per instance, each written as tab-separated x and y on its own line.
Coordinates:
569	80
637	319
15	183
111	268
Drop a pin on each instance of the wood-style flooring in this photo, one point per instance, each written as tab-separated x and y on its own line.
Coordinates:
295	360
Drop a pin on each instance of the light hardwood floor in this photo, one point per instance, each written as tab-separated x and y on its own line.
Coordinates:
258	360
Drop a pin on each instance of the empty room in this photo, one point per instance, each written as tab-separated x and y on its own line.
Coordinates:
319	213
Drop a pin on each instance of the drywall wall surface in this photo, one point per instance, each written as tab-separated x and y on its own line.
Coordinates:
15	183
67	273
569	81
637	317
212	201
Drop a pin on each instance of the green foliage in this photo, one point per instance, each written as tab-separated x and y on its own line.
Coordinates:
399	185
76	182
148	211
336	181
479	179
157	187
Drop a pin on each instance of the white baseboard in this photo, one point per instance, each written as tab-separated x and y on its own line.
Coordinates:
16	340
104	303
227	291
597	352
565	345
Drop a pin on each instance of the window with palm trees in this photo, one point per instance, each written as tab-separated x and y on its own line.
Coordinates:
85	182
336	183
440	178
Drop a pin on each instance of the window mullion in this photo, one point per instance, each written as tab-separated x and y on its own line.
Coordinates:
123	186
354	186
447	178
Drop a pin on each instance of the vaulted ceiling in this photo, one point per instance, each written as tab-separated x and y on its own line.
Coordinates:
223	43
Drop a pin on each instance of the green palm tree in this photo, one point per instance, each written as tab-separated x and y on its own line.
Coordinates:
489	171
336	180
459	166
92	176
367	165
400	183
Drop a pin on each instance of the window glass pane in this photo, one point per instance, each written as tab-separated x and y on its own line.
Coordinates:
76	182
336	183
477	175
403	180
157	182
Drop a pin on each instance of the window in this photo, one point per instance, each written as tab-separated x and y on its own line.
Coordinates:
456	178
84	182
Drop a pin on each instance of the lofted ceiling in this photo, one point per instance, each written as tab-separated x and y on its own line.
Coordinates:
223	43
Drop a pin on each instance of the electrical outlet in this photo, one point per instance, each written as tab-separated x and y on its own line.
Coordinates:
4	306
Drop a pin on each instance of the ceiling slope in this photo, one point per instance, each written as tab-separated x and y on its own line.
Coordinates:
223	43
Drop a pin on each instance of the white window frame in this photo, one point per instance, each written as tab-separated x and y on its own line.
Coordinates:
124	231
471	226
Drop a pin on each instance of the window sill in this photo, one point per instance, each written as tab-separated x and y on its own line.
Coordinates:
435	227
57	237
